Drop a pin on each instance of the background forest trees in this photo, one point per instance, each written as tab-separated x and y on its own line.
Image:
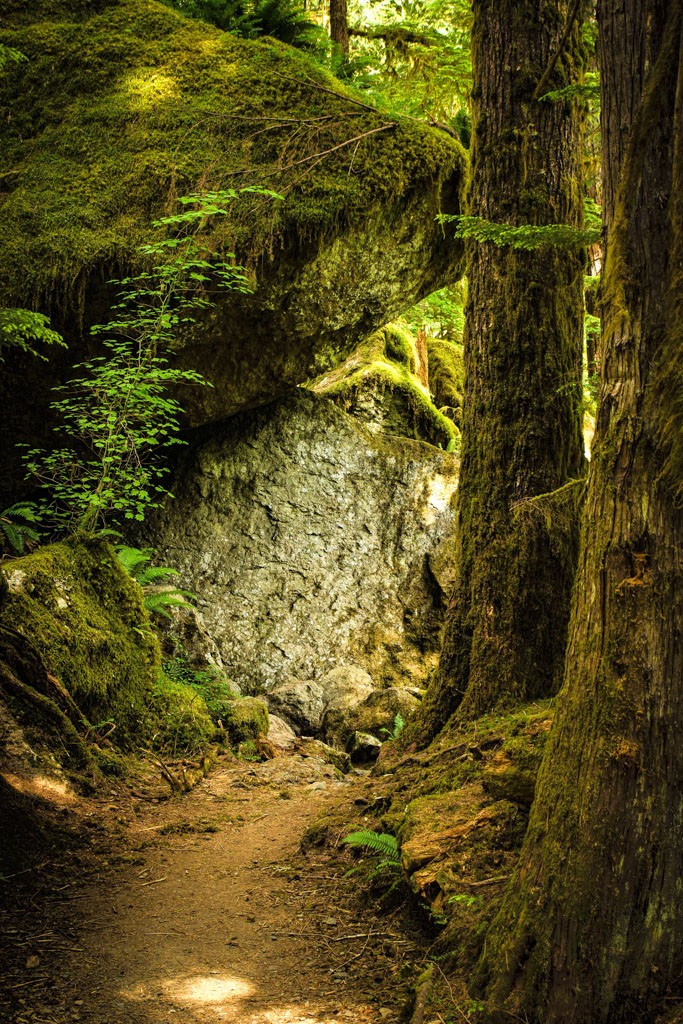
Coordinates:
592	927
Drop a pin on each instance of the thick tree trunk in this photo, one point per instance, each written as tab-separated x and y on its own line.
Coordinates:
591	929
507	622
339	25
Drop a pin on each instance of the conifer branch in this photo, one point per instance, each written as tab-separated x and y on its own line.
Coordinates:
397	33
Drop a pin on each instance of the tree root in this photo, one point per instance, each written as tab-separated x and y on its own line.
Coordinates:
422	991
76	745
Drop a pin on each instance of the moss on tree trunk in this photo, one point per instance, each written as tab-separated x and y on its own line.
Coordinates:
592	925
521	429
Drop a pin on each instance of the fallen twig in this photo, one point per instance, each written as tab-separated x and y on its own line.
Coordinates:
487	881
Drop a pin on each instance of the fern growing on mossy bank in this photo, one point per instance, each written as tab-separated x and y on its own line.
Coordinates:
160	595
19	526
285	20
380	844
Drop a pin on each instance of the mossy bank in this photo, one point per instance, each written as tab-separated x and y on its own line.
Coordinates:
84	618
81	666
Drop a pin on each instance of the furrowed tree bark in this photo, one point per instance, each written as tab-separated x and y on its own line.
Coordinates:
591	929
507	621
339	25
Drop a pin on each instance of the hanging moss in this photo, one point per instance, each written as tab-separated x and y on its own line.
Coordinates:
85	618
124	105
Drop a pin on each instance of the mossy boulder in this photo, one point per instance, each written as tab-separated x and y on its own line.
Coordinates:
178	720
363	748
379	383
84	616
339	759
245	718
301	702
376	715
446	376
124	105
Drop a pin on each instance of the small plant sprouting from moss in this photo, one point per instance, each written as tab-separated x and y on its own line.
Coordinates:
211	685
465	900
396	730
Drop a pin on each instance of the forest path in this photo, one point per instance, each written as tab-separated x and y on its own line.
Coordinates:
201	909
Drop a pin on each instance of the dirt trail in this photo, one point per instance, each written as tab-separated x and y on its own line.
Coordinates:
206	912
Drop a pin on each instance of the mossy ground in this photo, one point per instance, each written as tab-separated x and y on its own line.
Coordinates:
459	810
124	105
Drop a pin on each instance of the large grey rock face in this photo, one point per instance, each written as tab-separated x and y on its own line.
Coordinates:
307	540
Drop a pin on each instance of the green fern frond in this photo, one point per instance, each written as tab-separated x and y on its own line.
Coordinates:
134	560
383	867
159	601
525	237
382	843
588	90
136	563
17	524
155	574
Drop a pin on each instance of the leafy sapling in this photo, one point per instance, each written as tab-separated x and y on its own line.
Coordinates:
118	418
23	330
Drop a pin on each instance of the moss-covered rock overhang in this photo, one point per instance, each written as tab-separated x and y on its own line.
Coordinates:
124	105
